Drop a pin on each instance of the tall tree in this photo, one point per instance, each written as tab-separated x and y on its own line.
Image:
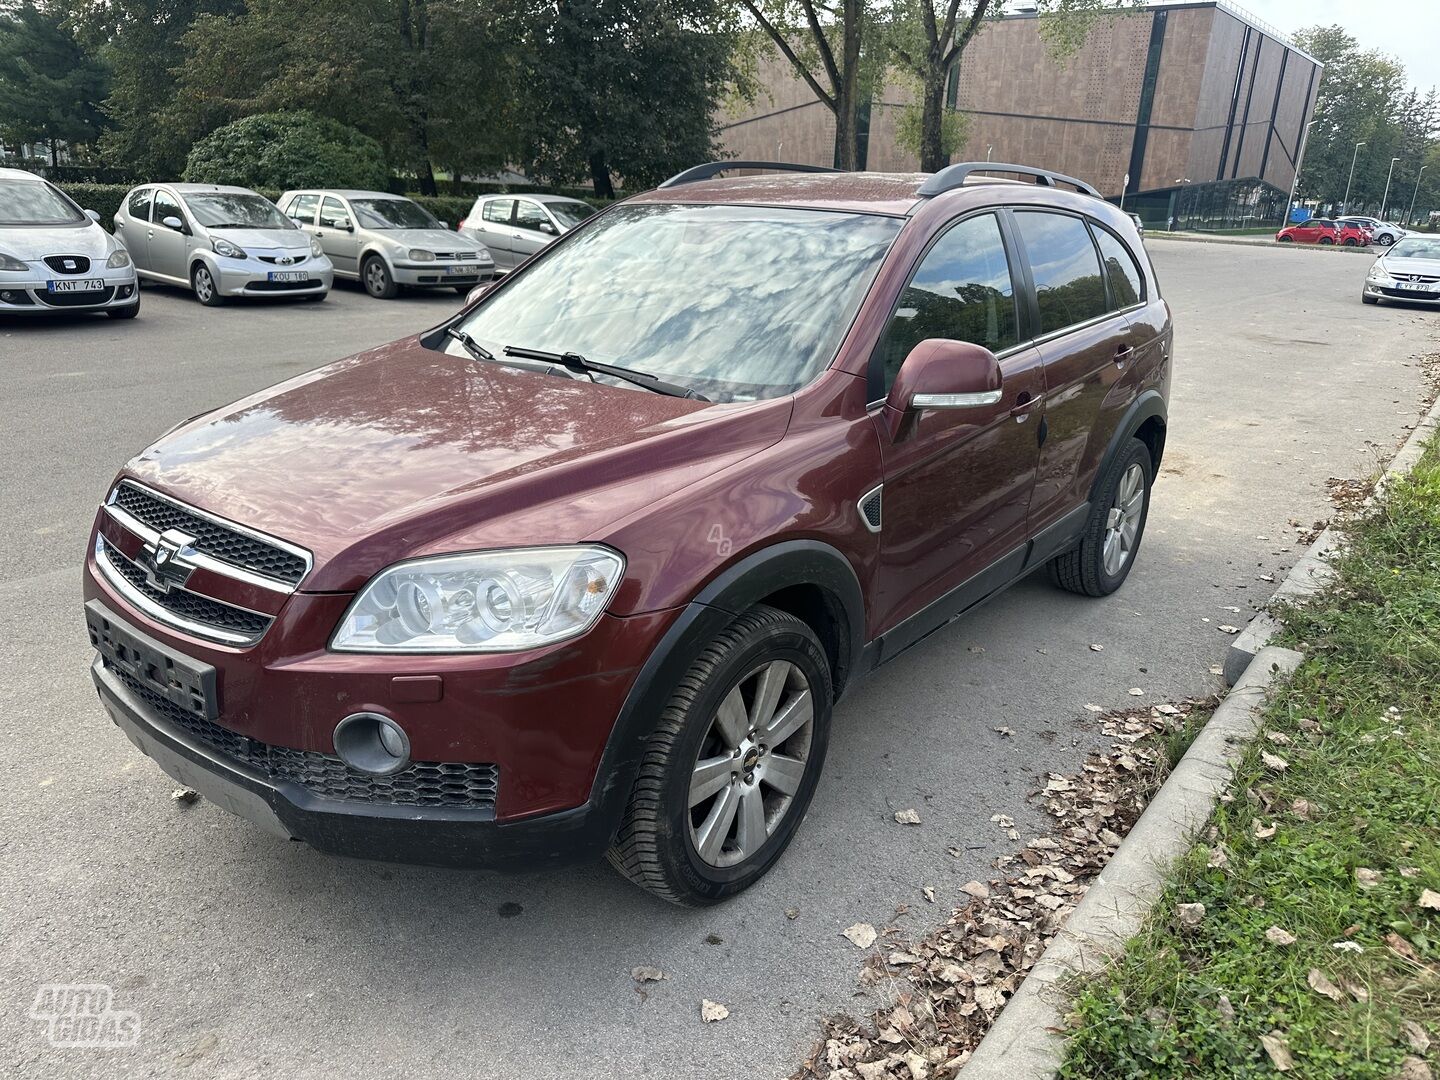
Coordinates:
625	87
51	86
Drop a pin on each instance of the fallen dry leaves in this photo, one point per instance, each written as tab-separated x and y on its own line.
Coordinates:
944	991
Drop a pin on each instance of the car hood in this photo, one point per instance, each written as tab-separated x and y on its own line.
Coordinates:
405	451
30	242
264	239
1424	267
430	239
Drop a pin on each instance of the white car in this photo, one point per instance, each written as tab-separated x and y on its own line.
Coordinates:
1383	233
56	257
1408	271
221	242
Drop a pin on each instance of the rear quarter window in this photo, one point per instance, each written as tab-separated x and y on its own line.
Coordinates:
1068	284
1127	284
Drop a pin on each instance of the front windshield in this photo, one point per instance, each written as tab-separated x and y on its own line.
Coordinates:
34	202
570	214
1417	247
392	214
735	302
227	210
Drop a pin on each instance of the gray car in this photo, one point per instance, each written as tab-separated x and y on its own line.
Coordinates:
1409	271
221	242
514	227
387	242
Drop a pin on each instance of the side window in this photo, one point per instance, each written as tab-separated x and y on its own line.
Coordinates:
302	209
333	214
1062	257
139	205
529	215
498	210
961	290
166	205
1127	286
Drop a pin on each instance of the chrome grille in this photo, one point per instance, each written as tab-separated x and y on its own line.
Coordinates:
468	785
68	264
202	612
296	258
213	537
458	256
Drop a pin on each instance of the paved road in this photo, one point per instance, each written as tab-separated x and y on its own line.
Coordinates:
245	956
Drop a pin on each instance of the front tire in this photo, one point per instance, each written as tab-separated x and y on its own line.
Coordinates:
1365	298
378	280
1349	241
1101	561
203	283
1385	239
732	764
1325	240
126	312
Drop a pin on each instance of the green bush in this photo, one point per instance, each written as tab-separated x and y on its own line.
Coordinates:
287	150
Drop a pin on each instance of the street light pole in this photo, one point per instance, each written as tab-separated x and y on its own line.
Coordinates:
1295	183
1345	203
1386	197
1410	214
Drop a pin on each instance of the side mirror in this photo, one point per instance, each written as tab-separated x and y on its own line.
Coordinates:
546	227
477	292
943	374
173	222
93	216
445	224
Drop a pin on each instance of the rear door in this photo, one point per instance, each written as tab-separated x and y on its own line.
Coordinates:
133	222
1086	345
167	245
336	232
957	482
301	209
494	229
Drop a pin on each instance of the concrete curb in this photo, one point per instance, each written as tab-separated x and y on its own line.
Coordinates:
1312	571
1261	242
1027	1041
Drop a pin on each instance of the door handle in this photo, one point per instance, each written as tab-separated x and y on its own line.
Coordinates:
149	234
1123	354
1023	406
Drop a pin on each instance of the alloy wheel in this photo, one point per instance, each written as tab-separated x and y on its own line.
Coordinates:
750	763
204	285
1122	526
375	277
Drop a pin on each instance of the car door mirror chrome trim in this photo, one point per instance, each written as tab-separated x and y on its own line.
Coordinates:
956	401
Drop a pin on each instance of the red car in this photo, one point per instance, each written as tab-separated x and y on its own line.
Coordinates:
585	568
1324	231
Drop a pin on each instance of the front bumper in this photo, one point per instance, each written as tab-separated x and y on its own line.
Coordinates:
439	275
1409	296
244	277
423	835
27	294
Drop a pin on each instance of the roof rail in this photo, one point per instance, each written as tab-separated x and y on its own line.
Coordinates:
714	168
953	176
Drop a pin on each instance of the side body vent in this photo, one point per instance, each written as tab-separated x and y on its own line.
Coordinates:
870	508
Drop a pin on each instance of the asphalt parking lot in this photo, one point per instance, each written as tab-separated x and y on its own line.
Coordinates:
246	956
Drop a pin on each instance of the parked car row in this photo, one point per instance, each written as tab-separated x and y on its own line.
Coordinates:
1350	231
226	242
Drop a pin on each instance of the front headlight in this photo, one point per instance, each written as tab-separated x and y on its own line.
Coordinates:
421	255
119	258
1379	275
227	249
315	248
486	601
9	262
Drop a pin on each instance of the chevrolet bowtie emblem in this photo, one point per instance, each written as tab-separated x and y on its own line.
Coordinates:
167	561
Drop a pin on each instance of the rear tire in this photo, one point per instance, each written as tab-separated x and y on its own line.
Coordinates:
1287	239
1117	519
1385	240
1327	241
1349	241
724	749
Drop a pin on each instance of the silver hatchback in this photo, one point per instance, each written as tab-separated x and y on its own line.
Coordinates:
514	227
220	241
387	242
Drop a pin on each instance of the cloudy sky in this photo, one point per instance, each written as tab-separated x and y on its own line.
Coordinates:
1407	29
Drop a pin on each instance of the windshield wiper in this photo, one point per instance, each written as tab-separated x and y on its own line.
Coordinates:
473	347
572	361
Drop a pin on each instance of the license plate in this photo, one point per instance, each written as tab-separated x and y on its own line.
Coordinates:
161	670
460	270
289	275
77	285
1414	286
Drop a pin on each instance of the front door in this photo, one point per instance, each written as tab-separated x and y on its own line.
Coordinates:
336	233
167	246
533	229
1086	345
957	482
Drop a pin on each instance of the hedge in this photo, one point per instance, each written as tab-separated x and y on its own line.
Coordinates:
104	199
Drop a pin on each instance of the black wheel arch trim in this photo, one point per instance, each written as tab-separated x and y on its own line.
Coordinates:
1150	405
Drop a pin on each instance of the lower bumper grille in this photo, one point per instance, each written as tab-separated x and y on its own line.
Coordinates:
76	299
282	286
452	784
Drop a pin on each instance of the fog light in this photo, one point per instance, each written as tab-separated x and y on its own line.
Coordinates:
371	743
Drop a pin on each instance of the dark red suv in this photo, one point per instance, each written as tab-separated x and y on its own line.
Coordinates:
585	568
